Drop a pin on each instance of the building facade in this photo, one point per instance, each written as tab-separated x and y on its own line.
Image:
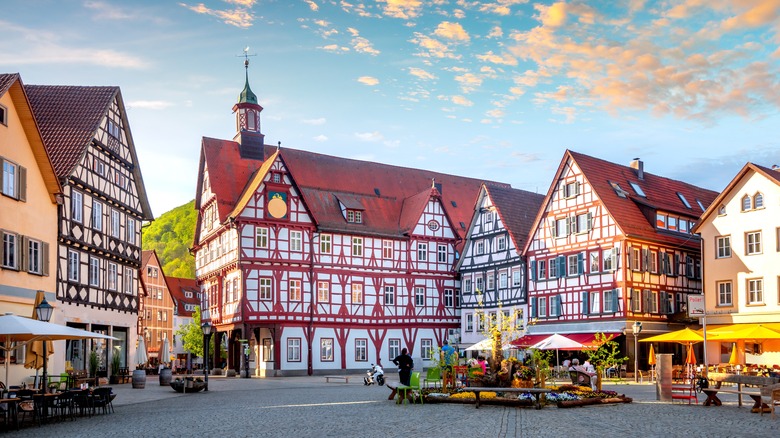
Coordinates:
740	234
156	320
28	217
186	301
613	245
87	137
319	273
493	267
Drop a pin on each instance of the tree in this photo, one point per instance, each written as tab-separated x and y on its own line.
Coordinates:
607	354
191	335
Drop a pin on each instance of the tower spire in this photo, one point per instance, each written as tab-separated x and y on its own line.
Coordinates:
248	135
247	96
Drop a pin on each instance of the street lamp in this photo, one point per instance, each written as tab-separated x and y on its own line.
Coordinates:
206	327
637	328
44	311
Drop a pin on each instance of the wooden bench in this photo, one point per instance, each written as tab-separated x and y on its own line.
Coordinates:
685	391
344	378
536	392
756	389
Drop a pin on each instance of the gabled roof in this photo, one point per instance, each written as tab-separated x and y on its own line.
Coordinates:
413	208
661	194
322	180
12	83
147	255
69	117
517	209
178	286
770	174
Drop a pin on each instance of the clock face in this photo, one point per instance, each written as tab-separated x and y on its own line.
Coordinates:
277	205
433	225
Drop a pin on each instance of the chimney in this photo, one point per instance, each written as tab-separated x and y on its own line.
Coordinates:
639	166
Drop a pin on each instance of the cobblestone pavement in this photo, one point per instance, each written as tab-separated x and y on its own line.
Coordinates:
309	407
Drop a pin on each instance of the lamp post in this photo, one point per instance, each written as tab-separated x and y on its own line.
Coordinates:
206	327
44	311
637	328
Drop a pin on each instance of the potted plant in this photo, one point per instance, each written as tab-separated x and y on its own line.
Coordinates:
94	363
115	365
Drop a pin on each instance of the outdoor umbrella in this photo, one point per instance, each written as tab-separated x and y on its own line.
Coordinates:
755	333
23	331
651	357
557	342
691	357
140	352
164	352
684	336
734	359
485	345
34	357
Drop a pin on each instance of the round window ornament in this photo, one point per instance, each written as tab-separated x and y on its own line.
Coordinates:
433	225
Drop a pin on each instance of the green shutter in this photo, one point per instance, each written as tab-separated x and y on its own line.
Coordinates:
533	270
585	303
533	307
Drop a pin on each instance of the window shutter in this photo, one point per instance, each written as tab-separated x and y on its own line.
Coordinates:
1	176
572	224
615	293
576	187
533	270
554	227
2	238
581	263
585	303
590	221
617	257
559	304
22	245
45	259
646	260
630	258
533	307
22	184
561	266
646	301
676	265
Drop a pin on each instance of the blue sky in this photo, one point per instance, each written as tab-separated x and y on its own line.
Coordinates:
489	89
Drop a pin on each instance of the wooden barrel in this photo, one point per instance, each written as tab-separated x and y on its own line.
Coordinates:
165	377
139	379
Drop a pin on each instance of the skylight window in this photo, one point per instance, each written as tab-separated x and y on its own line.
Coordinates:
618	190
637	189
684	201
701	205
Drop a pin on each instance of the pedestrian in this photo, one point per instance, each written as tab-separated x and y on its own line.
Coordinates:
405	365
449	359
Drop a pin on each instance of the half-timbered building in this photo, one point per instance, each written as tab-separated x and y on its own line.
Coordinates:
87	136
156	319
323	263
613	245
186	301
493	267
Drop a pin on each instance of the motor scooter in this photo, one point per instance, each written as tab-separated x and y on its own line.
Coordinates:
375	375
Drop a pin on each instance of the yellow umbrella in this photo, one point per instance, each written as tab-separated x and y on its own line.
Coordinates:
691	359
684	336
651	357
34	357
752	332
733	360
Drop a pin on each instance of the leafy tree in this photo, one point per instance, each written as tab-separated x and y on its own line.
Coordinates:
607	354
171	235
191	335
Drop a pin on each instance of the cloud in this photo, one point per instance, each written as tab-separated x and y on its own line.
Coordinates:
451	31
405	9
313	6
421	74
553	15
150	104
105	11
462	101
500	7
315	122
505	59
320	138
369	136
334	48
495	32
240	16
368	80
468	82
432	48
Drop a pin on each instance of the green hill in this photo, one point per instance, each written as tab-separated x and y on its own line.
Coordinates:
171	236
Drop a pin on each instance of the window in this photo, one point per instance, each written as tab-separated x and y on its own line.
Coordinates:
672	223
325	243
128	281
449	298
636	300
595	302
294	350
555	306
517	277
584	222
725	297
10	250
489	217
479	284
610	299
94	271
442	254
561	227
502	280
723	244
97	216
542	269
276	177
501	243
480	247
755	291
357	293
355	216
594	262
115	223
387	250
296	238
113	129
571	189
394	347
637	189
746	203
265	291
14	182
758	200
112	276
722	210
480	321
684	201
753	243
323	291
426	345
73	266
261	237
419	296
390	296
151	271
326	349
422	252
652	261
660	220
542	307
469	322
553	268
636	259
653	302
573	265
491	280
131	231
76	206
295	290
159	315
35	259
618	190
268	350
361	350
3	115
467	285
357	246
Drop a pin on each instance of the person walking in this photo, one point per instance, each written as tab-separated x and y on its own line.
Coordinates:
405	365
449	360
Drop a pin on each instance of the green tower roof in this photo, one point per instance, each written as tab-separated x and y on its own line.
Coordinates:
247	96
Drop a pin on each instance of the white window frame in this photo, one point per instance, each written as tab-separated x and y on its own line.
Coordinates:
326	349
753	243
594	264
357	293
608	300
422	251
97	215
387	249
323	291
503	280
469	322
449	298
76	206
572	265
131	230
389	291
265	289
115	223
542	304
73	266
722	247
296	241
491	280
755	291
394	347
293	349
34	256
426	347
419	296
127	280
517	277
261	237
480	247
501	243
94	271
725	293
441	253
361	350
326	243
542	268
11	243
357	246
294	293
113	276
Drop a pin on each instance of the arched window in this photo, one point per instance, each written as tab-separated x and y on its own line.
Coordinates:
722	210
746	203
758	200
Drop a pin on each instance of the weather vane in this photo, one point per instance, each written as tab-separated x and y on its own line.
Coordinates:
246	56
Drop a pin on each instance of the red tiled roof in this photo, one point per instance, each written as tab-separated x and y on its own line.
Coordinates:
661	194
145	256
6	80
322	179
517	209
412	209
178	286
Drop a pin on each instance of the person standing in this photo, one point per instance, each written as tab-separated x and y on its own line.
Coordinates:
405	365
449	359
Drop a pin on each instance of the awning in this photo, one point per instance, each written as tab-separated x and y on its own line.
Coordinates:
586	339
528	340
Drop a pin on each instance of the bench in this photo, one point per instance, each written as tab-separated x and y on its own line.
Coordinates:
344	378
686	391
758	388
536	392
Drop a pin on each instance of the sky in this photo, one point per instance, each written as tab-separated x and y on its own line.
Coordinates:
487	89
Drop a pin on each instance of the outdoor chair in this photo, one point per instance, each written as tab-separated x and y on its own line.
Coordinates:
434	375
64	406
82	402
579	378
623	371
414	385
101	399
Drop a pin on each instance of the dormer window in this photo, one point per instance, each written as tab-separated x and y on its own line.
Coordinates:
355	216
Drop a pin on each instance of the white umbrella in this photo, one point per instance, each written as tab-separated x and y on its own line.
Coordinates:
164	352
486	345
557	342
140	352
23	331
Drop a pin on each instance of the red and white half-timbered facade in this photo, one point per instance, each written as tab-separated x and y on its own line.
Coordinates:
612	245
323	263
